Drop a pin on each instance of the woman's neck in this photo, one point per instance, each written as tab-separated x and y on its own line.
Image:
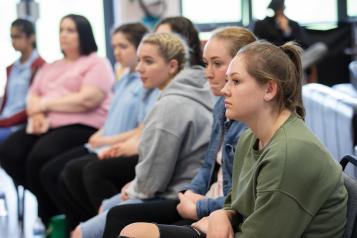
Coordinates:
25	55
164	84
72	56
266	125
132	69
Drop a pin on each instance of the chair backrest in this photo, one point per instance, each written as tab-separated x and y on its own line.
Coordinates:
351	186
353	71
331	116
346	88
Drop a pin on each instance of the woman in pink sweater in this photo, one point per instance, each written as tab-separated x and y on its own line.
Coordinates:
67	102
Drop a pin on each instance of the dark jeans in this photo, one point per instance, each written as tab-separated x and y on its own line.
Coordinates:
158	211
23	156
86	182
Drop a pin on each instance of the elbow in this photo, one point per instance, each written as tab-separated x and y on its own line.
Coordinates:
91	103
88	105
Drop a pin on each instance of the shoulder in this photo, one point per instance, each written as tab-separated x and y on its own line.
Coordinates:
47	67
131	84
219	109
56	63
171	104
297	156
294	140
265	21
175	111
8	68
38	62
96	67
298	140
236	129
292	22
94	59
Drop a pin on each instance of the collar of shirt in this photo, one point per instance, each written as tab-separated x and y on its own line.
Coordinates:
21	66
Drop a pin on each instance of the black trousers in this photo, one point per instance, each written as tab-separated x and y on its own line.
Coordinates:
158	211
86	182
51	171
23	156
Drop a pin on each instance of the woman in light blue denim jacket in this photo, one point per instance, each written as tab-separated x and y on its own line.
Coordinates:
203	196
230	132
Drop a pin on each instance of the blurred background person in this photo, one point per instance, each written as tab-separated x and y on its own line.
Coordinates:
67	102
279	29
129	106
19	77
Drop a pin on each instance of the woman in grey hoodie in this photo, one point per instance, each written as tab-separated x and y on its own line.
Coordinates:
176	131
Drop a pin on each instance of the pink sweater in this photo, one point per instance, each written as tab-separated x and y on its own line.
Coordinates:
62	78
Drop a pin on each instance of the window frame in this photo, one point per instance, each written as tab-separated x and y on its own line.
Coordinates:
205	27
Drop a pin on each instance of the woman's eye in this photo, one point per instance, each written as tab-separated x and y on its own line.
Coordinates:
123	47
217	64
235	82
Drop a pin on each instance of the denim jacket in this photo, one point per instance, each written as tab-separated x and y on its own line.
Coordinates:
229	132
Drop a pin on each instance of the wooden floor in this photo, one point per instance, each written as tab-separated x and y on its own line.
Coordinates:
9	225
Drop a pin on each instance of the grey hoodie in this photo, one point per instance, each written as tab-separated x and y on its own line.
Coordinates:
175	137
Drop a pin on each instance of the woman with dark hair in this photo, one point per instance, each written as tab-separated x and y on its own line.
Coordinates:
19	77
86	39
67	102
185	28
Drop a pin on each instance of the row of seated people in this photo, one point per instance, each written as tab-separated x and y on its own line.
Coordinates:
19	77
146	170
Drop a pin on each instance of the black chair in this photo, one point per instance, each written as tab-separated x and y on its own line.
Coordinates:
351	186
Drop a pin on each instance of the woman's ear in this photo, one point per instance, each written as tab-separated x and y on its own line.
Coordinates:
32	39
173	64
271	90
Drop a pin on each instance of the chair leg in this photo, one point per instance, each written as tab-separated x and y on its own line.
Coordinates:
20	203
3	204
23	209
21	191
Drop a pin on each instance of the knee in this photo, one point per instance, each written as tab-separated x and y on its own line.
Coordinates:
90	168
35	162
140	230
45	176
9	159
71	172
61	185
46	172
90	172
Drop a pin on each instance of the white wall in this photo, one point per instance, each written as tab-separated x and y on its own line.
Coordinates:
51	13
129	10
8	54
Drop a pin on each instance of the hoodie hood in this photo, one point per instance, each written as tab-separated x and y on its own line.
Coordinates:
191	83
